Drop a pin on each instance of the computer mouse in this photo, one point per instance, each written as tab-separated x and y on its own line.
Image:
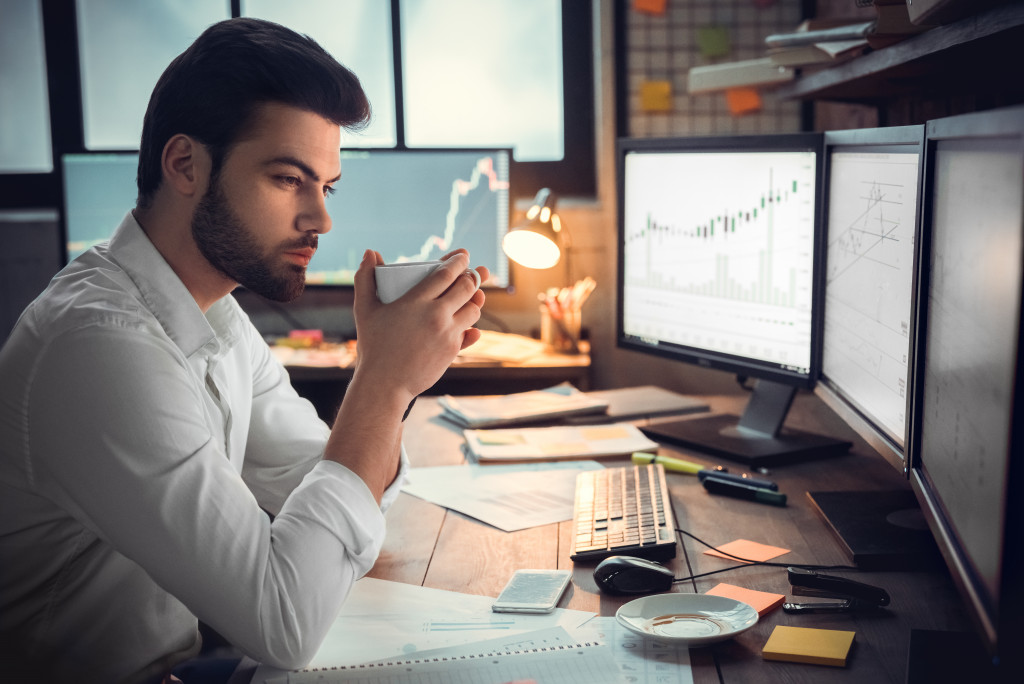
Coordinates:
632	575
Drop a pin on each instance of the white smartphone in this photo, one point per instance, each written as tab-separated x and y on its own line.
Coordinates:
532	591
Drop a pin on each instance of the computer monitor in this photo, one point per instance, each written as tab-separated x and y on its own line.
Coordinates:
99	189
718	265
410	205
416	205
871	192
966	459
871	186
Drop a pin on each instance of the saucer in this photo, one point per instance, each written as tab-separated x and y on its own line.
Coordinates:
687	619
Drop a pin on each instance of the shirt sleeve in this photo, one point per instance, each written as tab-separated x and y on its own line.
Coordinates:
118	437
286	436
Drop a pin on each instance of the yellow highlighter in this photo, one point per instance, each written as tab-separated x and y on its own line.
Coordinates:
674	464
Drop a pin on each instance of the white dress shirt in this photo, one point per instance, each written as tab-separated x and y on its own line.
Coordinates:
139	439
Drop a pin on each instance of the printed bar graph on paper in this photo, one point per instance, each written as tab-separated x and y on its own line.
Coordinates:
731	242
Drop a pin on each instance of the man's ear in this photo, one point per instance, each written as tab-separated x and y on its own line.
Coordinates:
186	165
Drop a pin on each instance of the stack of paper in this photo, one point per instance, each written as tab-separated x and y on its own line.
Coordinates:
556	443
524	407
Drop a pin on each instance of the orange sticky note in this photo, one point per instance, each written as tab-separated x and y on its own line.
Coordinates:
656	96
743	101
747	549
650	6
762	601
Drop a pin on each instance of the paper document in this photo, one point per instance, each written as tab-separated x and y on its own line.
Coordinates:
573	664
521	407
639	660
502	347
510	497
556	443
383	620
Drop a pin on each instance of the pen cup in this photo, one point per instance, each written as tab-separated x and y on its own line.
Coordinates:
562	332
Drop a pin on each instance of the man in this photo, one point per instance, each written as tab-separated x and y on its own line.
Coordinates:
144	425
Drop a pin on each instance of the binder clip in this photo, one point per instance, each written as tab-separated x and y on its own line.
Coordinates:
854	595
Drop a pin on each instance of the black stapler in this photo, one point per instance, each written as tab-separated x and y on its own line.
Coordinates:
855	595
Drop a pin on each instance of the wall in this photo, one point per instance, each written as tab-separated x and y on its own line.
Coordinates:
663	47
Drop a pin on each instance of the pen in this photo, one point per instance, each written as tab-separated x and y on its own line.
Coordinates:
744	491
741	479
674	464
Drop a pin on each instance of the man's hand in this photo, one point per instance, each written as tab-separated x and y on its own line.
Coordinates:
406	345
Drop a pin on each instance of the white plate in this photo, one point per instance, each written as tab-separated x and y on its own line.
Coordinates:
687	619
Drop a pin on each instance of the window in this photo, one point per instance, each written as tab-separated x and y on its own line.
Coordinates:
24	104
439	73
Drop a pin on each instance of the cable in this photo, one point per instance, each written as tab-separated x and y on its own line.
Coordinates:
750	562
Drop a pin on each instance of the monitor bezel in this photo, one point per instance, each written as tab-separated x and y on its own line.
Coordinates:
998	624
783	142
892	139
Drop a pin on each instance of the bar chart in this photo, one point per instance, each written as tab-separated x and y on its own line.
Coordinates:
728	240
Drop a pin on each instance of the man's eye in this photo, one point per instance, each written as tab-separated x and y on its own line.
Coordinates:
329	190
291	181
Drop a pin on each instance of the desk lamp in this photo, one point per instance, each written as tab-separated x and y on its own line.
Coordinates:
534	243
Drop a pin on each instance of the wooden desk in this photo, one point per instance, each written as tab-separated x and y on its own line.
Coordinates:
324	385
431	546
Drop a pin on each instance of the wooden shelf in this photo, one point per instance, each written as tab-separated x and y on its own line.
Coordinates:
978	55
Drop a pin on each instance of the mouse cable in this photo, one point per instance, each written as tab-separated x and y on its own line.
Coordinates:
750	562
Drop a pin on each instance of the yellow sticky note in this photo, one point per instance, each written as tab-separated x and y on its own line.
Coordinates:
762	601
713	41
656	96
650	6
743	101
808	645
750	550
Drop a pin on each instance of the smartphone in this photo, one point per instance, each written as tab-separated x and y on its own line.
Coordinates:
532	591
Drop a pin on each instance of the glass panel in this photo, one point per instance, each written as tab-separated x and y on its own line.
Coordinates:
24	102
123	49
484	73
358	34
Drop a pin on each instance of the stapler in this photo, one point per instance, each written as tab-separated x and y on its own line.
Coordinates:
855	595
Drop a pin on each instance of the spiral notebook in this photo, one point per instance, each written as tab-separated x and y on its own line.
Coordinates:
581	663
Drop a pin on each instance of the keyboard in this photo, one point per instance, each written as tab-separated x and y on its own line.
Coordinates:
623	511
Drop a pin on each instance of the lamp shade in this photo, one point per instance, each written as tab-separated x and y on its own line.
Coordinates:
535	242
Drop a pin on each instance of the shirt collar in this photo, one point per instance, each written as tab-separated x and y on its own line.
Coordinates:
167	298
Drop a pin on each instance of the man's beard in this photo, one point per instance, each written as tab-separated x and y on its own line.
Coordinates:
230	246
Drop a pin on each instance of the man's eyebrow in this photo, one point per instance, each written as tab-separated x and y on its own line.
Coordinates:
301	166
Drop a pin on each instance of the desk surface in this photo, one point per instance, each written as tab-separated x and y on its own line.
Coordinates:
429	545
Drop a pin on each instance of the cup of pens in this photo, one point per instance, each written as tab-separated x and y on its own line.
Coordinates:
561	315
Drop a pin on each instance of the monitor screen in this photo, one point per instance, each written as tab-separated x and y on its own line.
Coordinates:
99	189
408	205
718	264
717	251
416	205
968	420
871	190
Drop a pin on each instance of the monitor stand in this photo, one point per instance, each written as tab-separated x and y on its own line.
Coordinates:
757	438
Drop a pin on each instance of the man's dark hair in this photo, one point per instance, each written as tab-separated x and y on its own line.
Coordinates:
213	89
